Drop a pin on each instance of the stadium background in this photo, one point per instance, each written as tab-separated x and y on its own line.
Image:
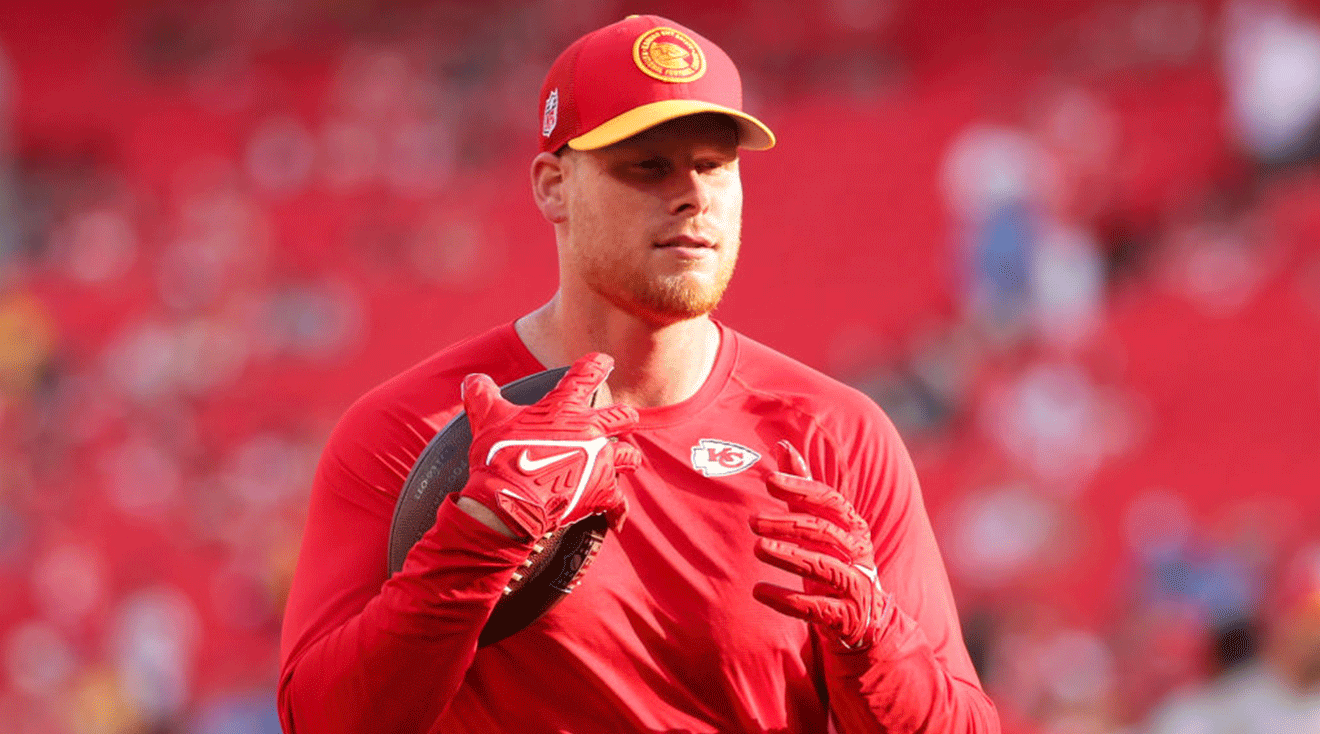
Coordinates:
1070	247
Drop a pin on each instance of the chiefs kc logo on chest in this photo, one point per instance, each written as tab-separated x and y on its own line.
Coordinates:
715	458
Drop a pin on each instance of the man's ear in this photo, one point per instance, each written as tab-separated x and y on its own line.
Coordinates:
548	171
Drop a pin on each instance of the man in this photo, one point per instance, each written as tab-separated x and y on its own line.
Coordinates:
770	563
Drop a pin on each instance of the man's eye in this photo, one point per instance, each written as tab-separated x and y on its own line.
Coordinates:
652	165
714	165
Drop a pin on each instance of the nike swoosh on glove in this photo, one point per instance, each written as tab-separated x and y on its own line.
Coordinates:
545	466
823	540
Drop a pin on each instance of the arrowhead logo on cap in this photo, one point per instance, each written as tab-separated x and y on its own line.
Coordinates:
669	55
635	74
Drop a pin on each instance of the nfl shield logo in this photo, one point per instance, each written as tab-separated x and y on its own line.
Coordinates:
551	116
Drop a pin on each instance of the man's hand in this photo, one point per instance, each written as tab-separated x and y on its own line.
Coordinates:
823	540
545	466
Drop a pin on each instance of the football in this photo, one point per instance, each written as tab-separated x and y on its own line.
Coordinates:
558	560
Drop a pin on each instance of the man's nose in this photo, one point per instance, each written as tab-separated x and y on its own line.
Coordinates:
691	192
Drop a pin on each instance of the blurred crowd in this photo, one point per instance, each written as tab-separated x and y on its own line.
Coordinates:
220	222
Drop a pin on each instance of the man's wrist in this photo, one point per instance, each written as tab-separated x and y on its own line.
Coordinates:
484	515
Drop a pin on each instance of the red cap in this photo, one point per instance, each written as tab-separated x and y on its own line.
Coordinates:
626	77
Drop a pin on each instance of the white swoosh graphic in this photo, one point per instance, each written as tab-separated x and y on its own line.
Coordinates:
528	465
592	447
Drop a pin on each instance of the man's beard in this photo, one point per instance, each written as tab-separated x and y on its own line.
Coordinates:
666	298
682	296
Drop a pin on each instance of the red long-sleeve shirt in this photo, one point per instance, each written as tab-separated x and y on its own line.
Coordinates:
663	635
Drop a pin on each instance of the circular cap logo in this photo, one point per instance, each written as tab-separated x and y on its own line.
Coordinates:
669	55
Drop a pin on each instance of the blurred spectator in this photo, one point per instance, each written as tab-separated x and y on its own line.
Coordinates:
995	179
1002	533
1057	422
311	320
70	583
239	713
924	389
281	155
1067	272
1268	694
1219	255
27	342
155	634
1067	286
1047	677
97	244
1272	67
1030	267
38	658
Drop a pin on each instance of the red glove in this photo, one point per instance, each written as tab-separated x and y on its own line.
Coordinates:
545	466
828	544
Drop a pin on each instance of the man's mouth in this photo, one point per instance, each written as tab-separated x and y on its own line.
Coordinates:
686	241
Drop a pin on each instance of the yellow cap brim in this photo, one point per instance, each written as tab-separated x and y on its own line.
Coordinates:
753	134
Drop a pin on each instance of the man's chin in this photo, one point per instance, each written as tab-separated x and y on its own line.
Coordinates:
680	299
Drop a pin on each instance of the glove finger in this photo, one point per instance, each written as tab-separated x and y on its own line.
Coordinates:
813	566
624	456
616	419
816	498
793	460
608	499
837	615
582	379
784	601
822	610
813	533
482	401
618	511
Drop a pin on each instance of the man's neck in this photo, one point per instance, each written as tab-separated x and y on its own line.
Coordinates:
653	365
